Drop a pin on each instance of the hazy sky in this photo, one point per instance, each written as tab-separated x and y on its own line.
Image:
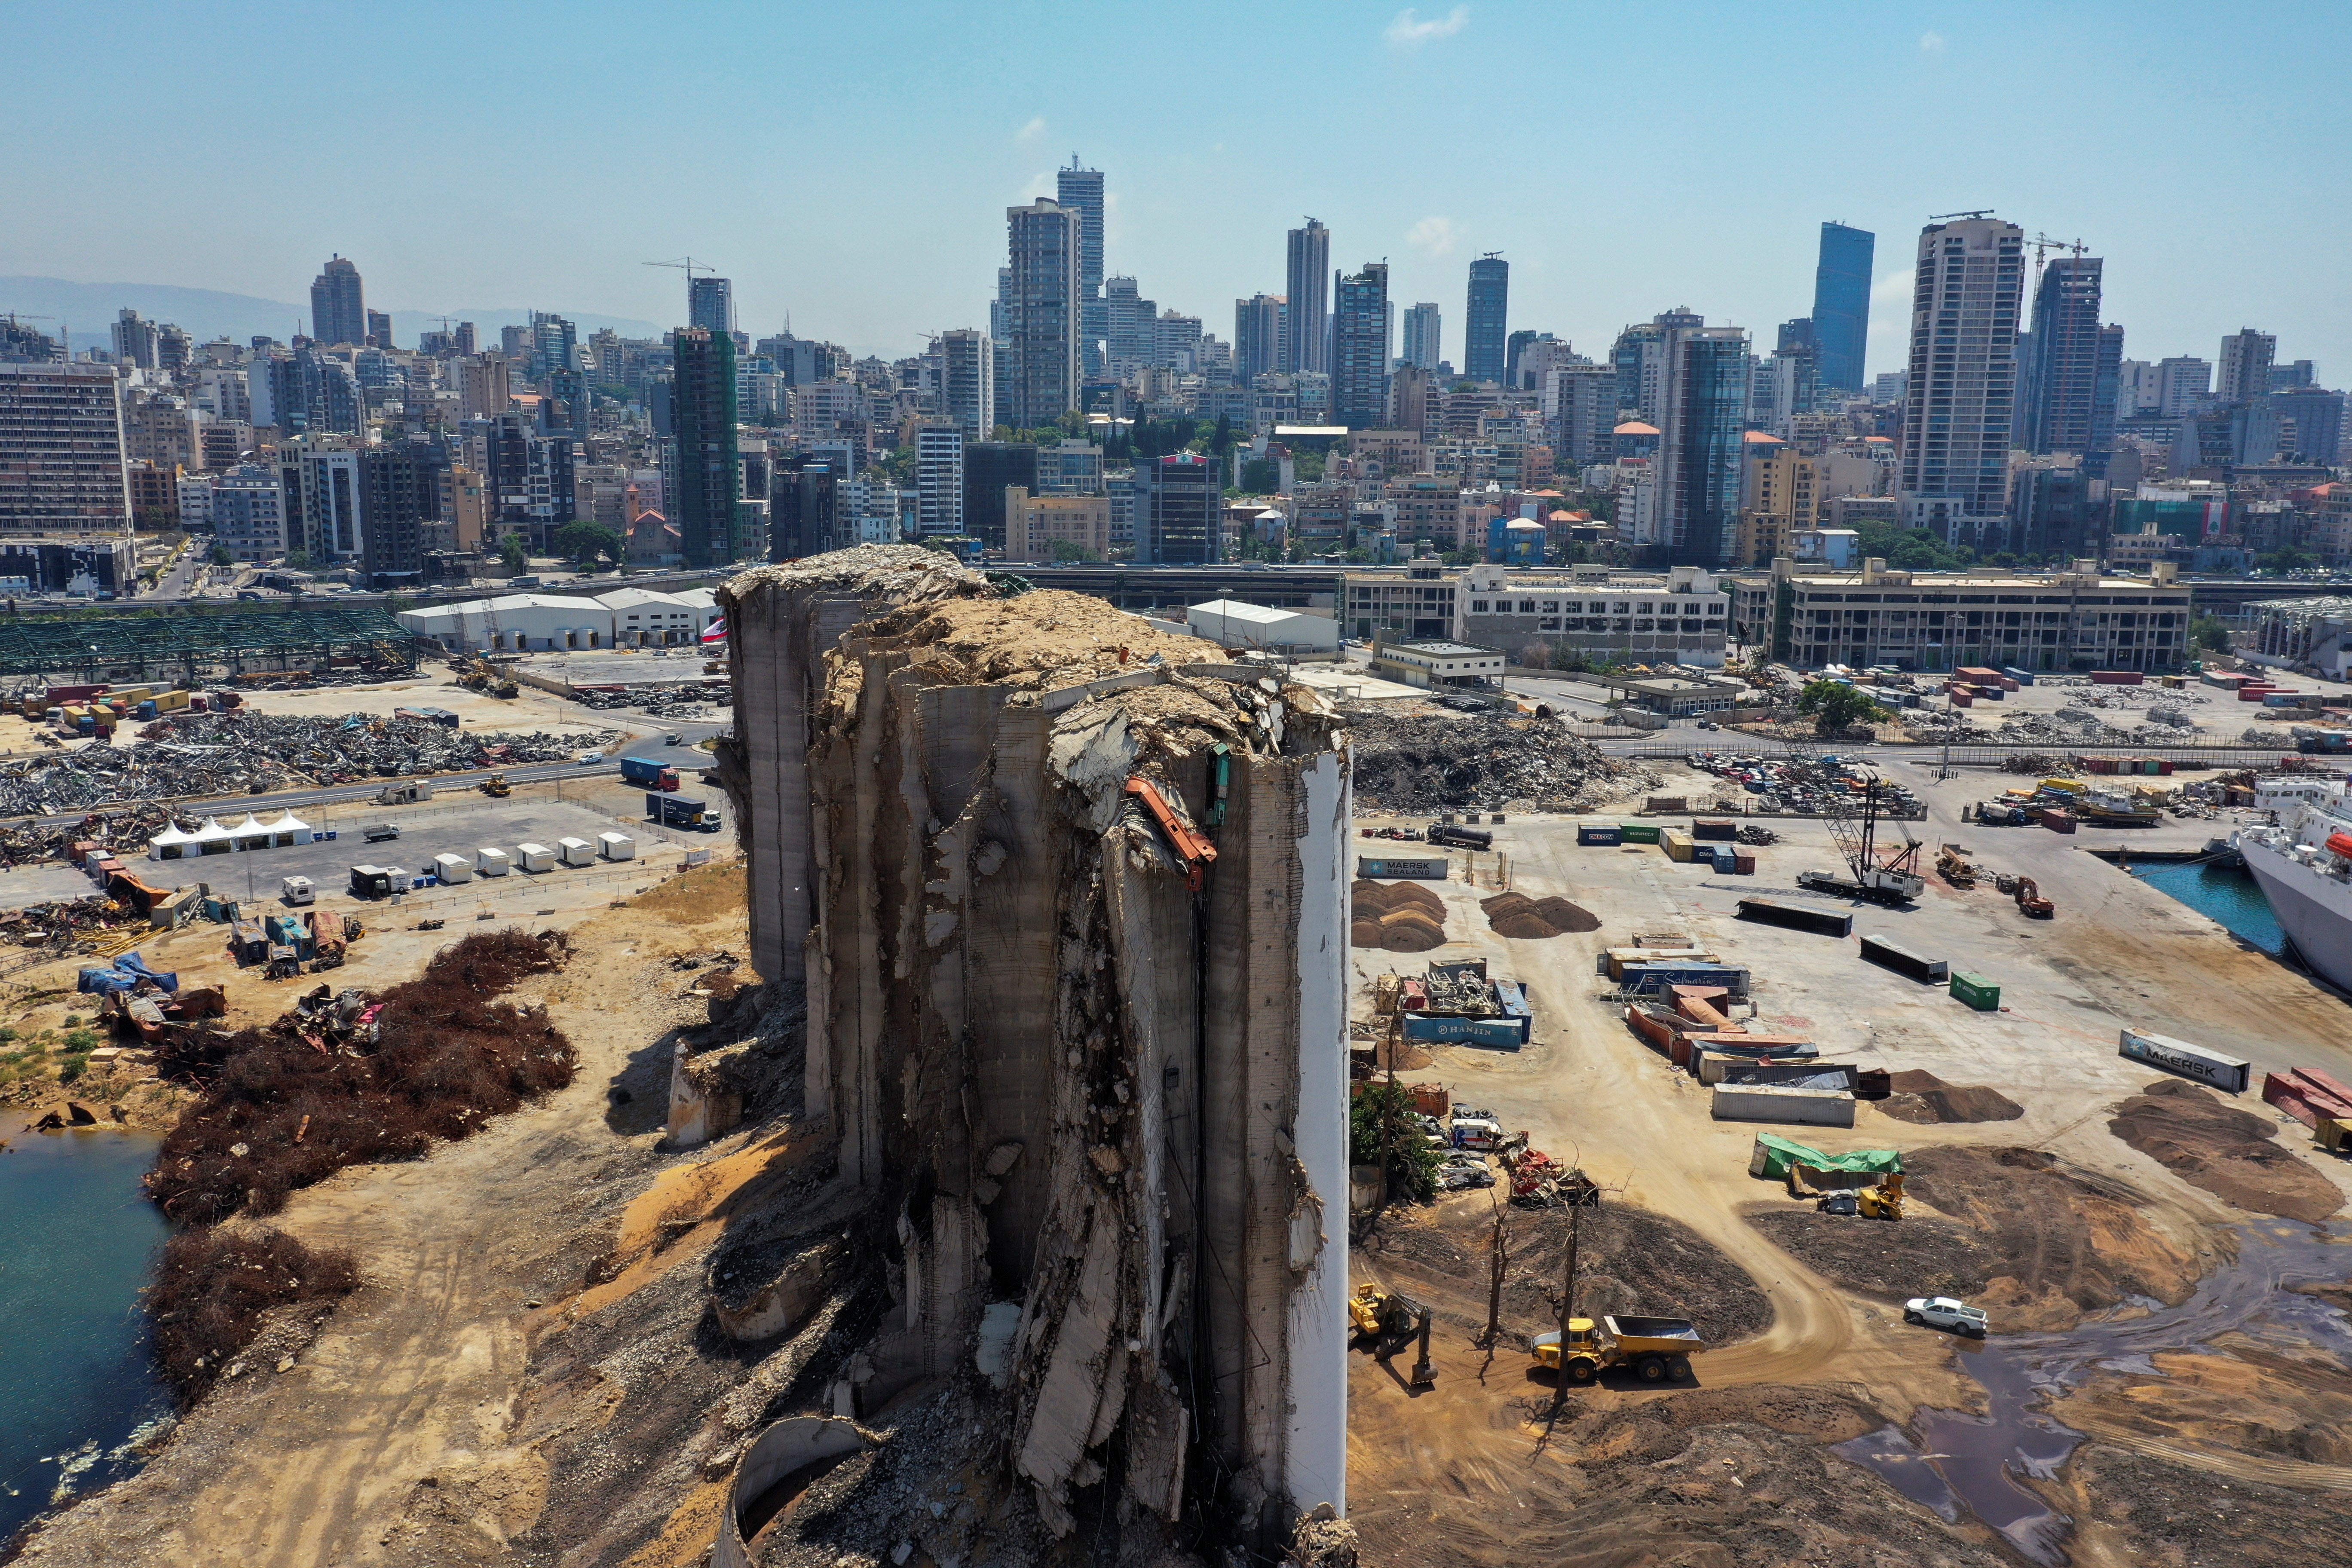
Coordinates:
850	165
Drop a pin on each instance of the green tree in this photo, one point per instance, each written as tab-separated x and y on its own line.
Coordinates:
1071	550
1383	1118
1222	441
584	542
2209	632
1835	706
219	556
2290	559
511	551
297	560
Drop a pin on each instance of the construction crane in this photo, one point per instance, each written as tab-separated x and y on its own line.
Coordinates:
1889	875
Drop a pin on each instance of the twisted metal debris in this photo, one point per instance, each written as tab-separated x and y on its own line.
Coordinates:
1425	761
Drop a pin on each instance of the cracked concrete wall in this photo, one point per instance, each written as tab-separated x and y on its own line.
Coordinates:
1080	1086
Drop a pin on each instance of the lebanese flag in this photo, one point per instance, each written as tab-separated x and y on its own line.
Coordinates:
715	631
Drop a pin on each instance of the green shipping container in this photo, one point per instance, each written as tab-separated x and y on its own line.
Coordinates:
1638	832
1976	990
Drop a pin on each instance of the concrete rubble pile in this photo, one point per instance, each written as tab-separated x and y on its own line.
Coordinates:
244	752
688	700
1429	762
1066	896
2074	725
1944	724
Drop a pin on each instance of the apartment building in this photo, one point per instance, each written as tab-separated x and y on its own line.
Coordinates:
1681	617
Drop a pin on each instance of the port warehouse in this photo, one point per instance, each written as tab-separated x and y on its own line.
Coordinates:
193	645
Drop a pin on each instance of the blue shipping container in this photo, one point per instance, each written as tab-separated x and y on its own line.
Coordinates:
2022	677
1509	1033
1609	834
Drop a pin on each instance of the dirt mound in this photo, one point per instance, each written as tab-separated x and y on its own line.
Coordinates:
1401	917
2229	1152
2147	1509
1519	916
2065	1240
1425	761
211	1289
1921	1097
1627	1260
1921	1256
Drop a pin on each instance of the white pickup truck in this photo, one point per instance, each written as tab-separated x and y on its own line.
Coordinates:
1943	1312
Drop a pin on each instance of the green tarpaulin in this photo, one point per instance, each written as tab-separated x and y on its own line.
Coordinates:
1775	1154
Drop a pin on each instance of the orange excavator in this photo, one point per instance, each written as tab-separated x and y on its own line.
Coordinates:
2030	902
1189	846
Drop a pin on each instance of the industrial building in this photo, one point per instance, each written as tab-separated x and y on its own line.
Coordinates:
1681	617
1091	1078
1437	663
520	623
2312	636
1241	627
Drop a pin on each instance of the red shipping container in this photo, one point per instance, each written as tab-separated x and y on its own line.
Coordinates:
1742	863
2116	678
1962	699
2057	821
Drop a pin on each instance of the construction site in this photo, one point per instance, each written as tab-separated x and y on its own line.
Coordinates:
1105	1109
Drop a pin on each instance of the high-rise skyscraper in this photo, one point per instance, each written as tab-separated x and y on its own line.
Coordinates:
136	341
1703	406
1257	336
1842	306
968	382
1486	325
1961	397
1179	510
2058	399
938	480
61	468
1639	355
710	303
1422	347
1309	296
1037	378
1082	190
1360	348
708	470
338	304
379	325
2245	365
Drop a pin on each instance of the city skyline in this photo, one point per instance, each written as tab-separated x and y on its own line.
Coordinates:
430	232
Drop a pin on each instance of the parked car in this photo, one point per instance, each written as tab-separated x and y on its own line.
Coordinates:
1460	1178
1944	1313
590	757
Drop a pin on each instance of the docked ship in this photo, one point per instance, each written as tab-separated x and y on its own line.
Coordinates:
2303	863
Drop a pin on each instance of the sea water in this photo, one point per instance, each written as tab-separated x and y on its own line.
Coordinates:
2230	898
79	1394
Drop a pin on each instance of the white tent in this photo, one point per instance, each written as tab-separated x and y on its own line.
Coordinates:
169	844
292	830
211	839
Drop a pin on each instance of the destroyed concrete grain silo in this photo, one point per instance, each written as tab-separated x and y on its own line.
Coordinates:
1067	897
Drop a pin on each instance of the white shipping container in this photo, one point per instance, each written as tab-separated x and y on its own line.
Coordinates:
2227	1072
452	867
491	862
534	856
1768	1102
616	845
576	851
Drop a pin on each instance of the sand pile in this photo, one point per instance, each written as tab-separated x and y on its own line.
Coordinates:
1517	915
1923	1098
1402	917
2229	1152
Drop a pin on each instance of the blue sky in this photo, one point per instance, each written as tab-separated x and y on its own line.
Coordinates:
850	165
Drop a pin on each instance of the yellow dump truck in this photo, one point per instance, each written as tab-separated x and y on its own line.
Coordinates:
1657	1350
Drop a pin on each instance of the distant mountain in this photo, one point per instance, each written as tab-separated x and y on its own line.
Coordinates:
89	309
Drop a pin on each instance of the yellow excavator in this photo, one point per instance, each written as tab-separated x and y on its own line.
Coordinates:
1388	1322
496	787
1883	1200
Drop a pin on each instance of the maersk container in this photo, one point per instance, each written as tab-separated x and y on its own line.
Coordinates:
1415	871
1888	953
2221	1070
1599	833
489	862
576	851
1772	1102
534	856
1818	919
617	846
1976	990
452	867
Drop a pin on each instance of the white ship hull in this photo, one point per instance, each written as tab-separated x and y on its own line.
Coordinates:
2314	911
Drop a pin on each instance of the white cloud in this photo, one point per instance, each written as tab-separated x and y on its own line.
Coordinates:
1431	234
1894	286
1931	43
1408	31
1031	132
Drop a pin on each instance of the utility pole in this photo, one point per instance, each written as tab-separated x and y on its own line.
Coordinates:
1566	1307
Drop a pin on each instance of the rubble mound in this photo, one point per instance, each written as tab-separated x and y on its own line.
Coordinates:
1045	638
2229	1152
1923	1098
213	1289
1401	917
1427	761
2071	725
1919	1255
330	1085
1531	920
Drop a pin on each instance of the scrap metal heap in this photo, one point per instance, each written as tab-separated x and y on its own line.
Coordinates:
1427	761
242	752
1090	1076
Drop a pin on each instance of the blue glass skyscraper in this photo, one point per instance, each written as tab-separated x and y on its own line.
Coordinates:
1485	331
1842	305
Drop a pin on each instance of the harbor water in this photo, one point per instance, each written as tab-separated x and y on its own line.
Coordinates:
79	1395
2230	898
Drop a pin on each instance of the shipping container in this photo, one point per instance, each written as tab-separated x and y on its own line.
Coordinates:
489	862
2281	699
2116	678
1976	990
1818	919
452	867
1743	861
2022	677
646	770
1507	1033
1638	832
616	845
2056	819
2222	1070
535	858
2254	693
1662	977
1599	833
1414	870
1679	845
1888	953
1961	698
1619	957
1722	859
1769	1102
576	851
1714	1063
1714	830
